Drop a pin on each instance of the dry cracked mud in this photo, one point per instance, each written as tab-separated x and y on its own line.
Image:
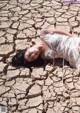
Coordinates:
53	90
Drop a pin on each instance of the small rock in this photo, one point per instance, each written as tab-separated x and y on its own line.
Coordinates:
2	40
50	111
23	26
34	110
35	90
12	73
9	37
16	9
21	44
77	86
48	81
70	86
75	108
35	101
11	31
3	18
78	101
49	68
21	35
5	24
2	66
15	25
2	33
20	86
25	71
6	48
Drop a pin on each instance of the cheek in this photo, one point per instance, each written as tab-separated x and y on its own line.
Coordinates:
26	56
37	54
36	51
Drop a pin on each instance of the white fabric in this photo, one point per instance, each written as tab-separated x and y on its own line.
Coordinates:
62	46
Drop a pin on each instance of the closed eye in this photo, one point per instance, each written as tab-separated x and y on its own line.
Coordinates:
29	54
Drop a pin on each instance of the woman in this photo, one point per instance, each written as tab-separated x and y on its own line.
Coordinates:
52	44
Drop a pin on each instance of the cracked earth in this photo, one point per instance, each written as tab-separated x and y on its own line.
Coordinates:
53	90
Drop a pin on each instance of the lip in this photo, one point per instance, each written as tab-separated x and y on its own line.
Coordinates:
31	55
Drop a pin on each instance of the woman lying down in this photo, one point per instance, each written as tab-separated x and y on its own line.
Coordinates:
52	44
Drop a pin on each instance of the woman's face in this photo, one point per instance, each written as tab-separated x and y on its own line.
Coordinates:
32	53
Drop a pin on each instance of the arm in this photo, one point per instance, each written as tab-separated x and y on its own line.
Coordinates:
46	31
60	32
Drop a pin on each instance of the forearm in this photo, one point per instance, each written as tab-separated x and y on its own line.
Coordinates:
60	32
46	31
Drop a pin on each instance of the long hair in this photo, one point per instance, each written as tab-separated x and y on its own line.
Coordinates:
19	60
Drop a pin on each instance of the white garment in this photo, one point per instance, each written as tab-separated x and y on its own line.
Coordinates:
62	46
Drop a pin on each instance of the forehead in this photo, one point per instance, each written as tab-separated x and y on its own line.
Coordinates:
32	48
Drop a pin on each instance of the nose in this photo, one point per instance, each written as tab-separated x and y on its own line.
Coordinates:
33	55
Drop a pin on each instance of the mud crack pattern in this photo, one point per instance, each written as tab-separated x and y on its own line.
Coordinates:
53	90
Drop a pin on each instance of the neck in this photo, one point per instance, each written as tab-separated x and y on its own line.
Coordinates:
41	47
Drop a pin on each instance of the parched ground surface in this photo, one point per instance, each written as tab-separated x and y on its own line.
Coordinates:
53	90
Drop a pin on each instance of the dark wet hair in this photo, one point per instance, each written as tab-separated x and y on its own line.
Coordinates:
19	60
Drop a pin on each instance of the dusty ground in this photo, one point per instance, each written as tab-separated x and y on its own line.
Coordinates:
53	90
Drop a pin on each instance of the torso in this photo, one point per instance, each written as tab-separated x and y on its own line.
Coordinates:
62	46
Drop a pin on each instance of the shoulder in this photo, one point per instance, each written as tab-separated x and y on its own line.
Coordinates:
44	32
47	54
